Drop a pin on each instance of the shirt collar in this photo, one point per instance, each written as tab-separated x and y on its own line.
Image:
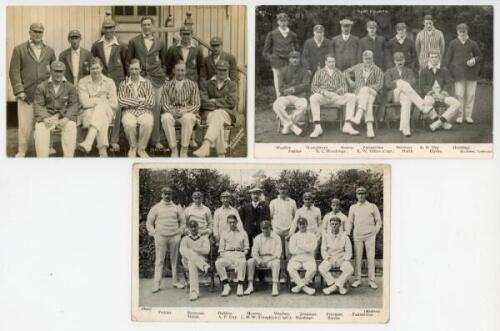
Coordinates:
463	40
214	77
284	30
193	237
400	39
113	41
319	41
437	67
362	203
77	51
32	44
191	44
51	81
151	37
129	80
167	203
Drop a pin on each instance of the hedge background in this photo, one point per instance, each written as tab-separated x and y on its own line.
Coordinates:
212	183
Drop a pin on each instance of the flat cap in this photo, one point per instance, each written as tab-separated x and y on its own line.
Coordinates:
186	28
462	27
346	21
225	194
361	189
282	17
302	220
335	200
214	41
400	26
283	186
57	66
196	194
399	56
335	219
428	18
192	222
222	64
37	27
74	33
166	189
307	195
371	24
294	54
319	28
107	23
265	224
255	190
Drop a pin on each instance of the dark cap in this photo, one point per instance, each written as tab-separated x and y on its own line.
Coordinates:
335	219
255	190
307	195
214	41
74	33
319	28
282	17
265	224
166	189
37	27
107	23
222	64
57	66
428	18
302	220
371	24
294	54
185	28
346	21
337	201
361	189
399	56
400	26
283	186
197	194
192	222
462	27
225	194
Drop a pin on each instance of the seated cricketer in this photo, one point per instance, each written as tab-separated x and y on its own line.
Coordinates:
221	224
266	252
368	82
219	97
336	251
194	250
200	213
400	83
294	85
180	101
302	249
233	247
329	88
435	86
55	106
136	97
99	102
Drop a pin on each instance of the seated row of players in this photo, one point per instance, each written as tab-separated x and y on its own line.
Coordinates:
162	87
459	71
166	223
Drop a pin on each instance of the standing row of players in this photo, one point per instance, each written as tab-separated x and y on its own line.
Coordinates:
288	233
349	64
101	78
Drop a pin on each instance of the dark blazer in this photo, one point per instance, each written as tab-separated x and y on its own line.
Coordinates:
47	102
225	98
427	78
314	56
407	48
346	52
252	217
377	46
208	69
392	74
276	47
456	57
83	66
193	62
152	61
26	72
299	78
116	69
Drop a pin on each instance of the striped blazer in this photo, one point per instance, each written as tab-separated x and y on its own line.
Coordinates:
130	101
322	81
375	79
426	41
185	100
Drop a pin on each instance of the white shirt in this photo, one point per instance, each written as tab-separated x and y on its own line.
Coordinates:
75	63
282	214
148	41
319	42
284	32
185	50
108	46
36	48
400	40
345	37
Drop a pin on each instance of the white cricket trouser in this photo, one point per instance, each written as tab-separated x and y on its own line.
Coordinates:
294	266
25	123
162	245
234	260
42	139
276	80
369	245
297	116
98	117
452	103
465	90
215	134
345	267
187	121
405	95
156	133
194	262
145	122
317	100
365	100
274	265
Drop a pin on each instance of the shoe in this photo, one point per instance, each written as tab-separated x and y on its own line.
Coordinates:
459	120
155	290
52	151
406	132
159	146
282	280
286	128
193	142
369	131
142	153
447	126
435	125
275	291
318	131
174	153
82	148
193	296
226	290
115	147
184	152
249	289
309	290
203	151
296	289
239	290
296	130
132	152
342	290
349	129
356	283
20	154
373	285
329	290
469	120
206	270
178	285
103	152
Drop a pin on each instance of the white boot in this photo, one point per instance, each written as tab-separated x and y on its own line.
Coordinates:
249	288
132	152
275	291
203	151
369	130
349	129
174	153
296	130
435	125
318	131
226	290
